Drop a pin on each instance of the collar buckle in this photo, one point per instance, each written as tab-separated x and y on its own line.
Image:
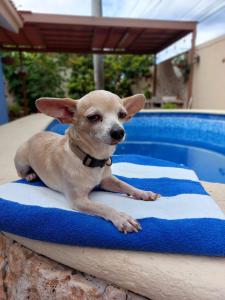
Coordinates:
92	162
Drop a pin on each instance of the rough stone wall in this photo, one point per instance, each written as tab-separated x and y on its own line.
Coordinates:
27	275
168	84
2	267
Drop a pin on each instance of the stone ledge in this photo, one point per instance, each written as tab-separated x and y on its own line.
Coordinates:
27	275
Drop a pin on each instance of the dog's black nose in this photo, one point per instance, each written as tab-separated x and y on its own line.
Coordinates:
117	133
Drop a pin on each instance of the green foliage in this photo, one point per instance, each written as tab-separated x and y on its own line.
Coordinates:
15	111
169	105
41	73
147	93
56	75
121	72
81	80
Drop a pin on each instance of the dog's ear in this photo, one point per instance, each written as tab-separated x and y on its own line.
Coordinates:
133	104
61	109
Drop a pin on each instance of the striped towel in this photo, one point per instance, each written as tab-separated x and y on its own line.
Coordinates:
184	220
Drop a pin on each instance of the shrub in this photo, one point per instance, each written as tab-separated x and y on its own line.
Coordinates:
56	75
120	71
169	105
41	74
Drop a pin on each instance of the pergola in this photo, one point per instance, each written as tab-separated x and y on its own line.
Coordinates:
76	34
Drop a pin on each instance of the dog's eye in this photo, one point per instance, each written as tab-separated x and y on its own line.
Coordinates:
94	118
122	115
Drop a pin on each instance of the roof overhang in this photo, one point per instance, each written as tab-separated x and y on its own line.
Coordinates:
76	34
9	17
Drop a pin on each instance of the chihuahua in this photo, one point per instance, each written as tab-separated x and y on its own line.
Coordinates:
80	160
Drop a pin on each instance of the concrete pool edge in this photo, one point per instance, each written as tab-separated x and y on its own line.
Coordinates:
197	111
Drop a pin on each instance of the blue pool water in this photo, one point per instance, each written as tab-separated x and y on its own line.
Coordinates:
192	139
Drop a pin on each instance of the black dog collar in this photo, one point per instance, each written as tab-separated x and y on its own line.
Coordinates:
92	162
88	160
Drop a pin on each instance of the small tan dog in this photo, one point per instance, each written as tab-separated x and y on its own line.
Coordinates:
79	161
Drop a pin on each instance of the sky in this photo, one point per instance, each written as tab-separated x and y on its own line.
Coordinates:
209	13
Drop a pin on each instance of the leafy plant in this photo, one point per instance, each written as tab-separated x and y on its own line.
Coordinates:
15	111
40	74
81	80
148	93
120	71
56	75
169	105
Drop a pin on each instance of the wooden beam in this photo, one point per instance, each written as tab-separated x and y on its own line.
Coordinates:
30	17
3	100
95	34
191	75
33	35
99	37
79	50
23	79
18	39
4	37
66	40
66	34
114	38
130	37
171	40
154	90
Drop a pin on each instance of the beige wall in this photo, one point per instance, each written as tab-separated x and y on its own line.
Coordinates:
209	76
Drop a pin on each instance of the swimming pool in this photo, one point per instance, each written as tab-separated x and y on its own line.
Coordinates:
196	140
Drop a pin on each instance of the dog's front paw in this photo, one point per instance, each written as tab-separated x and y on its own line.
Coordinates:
126	223
31	177
145	195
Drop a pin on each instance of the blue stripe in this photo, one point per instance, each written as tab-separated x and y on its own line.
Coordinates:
53	124
34	183
165	186
187	236
57	127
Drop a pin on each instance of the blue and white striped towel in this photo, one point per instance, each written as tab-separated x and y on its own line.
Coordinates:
184	220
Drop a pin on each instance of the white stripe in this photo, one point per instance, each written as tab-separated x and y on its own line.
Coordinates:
130	170
171	208
177	207
33	195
